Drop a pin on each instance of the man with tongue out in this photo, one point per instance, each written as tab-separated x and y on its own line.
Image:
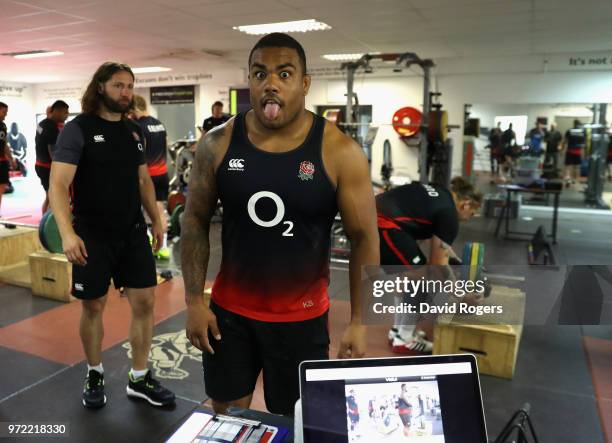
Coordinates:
282	174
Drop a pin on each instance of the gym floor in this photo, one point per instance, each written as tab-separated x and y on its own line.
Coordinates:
562	371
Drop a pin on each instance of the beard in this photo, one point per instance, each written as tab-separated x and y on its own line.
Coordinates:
116	105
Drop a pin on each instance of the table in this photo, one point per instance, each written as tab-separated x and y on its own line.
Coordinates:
504	214
264	417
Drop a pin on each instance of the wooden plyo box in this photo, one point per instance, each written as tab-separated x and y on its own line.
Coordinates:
17	244
494	345
51	276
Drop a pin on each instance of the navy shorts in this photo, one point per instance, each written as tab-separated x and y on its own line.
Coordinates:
249	346
398	248
4	172
128	262
161	185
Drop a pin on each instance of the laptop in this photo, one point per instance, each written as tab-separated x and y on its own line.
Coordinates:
432	399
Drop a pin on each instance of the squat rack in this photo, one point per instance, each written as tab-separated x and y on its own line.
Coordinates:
405	59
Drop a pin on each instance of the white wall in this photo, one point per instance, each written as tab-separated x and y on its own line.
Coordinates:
482	81
519	88
20	100
210	87
386	95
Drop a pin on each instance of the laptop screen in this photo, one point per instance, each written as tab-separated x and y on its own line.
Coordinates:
432	399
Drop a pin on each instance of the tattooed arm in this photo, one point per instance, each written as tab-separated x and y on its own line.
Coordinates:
195	246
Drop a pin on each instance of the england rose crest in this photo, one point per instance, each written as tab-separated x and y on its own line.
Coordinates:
307	170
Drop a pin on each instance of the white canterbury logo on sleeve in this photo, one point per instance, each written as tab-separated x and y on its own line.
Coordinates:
99	138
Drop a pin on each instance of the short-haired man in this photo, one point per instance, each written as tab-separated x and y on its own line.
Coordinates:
156	148
46	137
574	145
6	156
282	173
99	156
216	119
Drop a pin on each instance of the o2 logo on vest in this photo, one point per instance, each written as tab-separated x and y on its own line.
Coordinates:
280	212
431	191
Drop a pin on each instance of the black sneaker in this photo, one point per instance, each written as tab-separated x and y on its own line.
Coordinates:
93	392
149	389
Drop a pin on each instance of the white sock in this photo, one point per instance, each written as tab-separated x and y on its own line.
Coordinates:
98	368
165	242
138	374
406	331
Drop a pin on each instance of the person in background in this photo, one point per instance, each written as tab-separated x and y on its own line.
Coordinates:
156	152
6	156
217	118
19	146
47	132
535	137
496	153
574	144
553	146
508	140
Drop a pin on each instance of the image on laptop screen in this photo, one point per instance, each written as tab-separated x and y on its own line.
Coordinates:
419	399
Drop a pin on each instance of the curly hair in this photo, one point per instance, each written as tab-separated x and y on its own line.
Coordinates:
90	103
466	190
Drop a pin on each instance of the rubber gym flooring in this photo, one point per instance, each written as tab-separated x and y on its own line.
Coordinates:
562	371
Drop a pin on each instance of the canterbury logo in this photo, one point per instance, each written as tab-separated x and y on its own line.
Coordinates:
79	286
236	164
99	138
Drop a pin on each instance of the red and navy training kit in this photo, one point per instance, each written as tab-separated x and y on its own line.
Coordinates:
46	137
576	143
270	295
410	213
156	141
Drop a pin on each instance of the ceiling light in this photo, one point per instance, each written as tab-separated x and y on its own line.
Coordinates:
150	69
34	54
342	57
295	26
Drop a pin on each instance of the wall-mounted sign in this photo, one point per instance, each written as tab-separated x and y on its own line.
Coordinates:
164	95
580	62
143	81
15	90
62	93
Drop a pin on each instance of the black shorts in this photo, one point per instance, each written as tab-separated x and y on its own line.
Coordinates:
44	174
249	346
4	172
161	183
129	262
398	248
573	159
406	419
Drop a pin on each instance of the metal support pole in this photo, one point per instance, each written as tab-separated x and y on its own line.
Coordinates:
350	79
423	175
